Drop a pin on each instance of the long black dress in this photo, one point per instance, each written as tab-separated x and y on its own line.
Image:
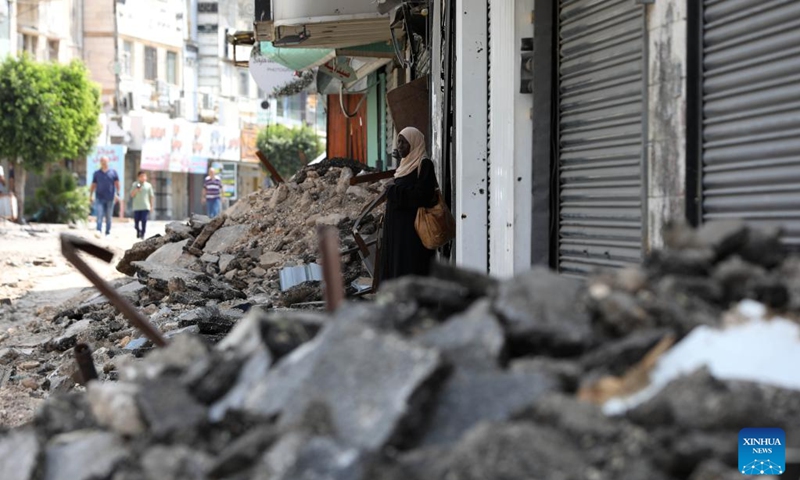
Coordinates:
402	252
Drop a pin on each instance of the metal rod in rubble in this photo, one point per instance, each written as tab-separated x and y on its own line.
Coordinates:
270	168
70	245
83	357
331	267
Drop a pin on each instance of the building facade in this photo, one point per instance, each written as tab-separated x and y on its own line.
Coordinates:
172	95
567	133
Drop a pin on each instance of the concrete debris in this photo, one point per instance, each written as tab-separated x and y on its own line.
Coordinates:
453	376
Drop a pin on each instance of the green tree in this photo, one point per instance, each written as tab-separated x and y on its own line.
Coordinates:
48	112
60	199
288	149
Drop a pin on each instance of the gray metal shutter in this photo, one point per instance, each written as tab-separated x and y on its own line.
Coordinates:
751	106
601	134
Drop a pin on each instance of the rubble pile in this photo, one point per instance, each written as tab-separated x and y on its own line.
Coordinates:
455	376
203	275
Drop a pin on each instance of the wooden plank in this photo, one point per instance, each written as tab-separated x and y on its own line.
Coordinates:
270	168
371	177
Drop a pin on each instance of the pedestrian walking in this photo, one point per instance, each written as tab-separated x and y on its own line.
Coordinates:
212	193
144	198
105	189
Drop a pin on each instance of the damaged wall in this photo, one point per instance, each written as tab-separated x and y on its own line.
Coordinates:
667	96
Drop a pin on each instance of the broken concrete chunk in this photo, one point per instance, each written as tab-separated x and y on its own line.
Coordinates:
225	262
724	237
168	409
244	451
161	274
297	456
470	397
426	291
179	229
542	312
175	462
19	455
225	238
270	259
367	378
114	406
70	337
208	258
197	222
506	451
474	339
139	252
83	455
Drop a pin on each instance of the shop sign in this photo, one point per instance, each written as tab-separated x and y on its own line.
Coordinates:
116	161
156	146
198	165
171	145
249	148
228	175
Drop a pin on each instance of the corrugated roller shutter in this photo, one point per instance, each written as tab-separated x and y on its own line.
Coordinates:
751	125
601	135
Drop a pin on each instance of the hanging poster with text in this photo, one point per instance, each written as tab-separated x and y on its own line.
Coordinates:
116	162
156	144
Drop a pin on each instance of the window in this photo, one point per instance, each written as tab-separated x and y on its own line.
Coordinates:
30	44
244	84
150	63
207	7
172	68
127	58
280	108
52	50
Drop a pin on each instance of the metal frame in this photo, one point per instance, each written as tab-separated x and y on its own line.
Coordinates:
694	114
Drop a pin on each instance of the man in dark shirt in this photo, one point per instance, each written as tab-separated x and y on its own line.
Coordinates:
105	188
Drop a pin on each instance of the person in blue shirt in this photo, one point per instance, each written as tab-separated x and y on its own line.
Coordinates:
105	189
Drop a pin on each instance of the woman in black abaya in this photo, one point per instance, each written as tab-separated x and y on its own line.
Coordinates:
414	186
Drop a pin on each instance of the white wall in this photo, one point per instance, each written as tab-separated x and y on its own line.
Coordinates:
471	135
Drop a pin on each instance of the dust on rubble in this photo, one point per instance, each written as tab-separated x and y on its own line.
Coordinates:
199	276
456	375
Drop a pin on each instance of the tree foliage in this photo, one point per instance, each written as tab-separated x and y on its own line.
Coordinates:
60	199
288	149
48	112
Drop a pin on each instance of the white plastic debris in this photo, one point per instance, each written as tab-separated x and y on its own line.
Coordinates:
760	350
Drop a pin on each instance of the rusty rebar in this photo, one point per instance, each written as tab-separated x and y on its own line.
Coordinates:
83	357
270	167
70	246
331	267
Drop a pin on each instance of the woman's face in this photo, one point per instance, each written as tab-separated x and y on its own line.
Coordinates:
403	147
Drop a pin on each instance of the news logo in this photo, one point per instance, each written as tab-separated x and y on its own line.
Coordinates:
762	451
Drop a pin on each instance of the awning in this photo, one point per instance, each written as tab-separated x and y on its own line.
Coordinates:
297	59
